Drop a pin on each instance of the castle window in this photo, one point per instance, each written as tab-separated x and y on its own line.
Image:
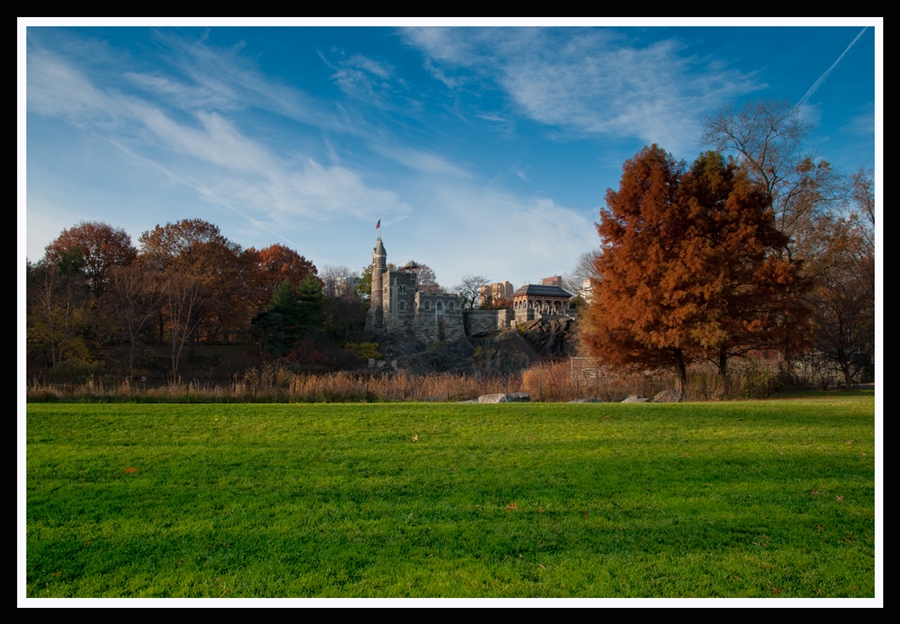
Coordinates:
427	305
402	289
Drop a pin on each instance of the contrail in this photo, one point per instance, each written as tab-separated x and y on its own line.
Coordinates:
822	78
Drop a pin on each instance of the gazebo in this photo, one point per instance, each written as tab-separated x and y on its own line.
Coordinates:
541	299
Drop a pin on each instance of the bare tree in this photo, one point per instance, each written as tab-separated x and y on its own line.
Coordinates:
585	268
339	282
426	281
470	289
136	297
767	136
185	298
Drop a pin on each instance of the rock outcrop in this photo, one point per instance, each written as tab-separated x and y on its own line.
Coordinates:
492	353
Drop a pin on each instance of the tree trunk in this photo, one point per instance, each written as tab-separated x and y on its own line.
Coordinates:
680	372
722	365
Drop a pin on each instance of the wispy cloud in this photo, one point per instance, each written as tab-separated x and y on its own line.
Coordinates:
588	81
420	160
212	155
862	124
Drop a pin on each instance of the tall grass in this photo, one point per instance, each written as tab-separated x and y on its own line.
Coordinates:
277	384
561	381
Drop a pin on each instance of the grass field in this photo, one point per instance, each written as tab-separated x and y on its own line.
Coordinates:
733	499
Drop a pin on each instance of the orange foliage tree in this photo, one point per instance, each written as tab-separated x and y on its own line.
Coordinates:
196	249
690	268
274	264
100	246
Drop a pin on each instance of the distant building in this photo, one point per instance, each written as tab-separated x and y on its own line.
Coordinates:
586	291
493	292
555	280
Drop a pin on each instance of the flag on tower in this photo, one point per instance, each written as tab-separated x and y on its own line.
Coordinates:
378	225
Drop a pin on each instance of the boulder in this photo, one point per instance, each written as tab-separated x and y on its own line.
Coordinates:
668	396
590	400
514	397
635	399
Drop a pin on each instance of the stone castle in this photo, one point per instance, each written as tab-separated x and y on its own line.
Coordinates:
397	306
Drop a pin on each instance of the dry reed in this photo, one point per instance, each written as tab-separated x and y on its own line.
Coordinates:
547	382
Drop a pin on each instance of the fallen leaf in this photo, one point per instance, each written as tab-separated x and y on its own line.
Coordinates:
130	470
839	498
512	506
415	438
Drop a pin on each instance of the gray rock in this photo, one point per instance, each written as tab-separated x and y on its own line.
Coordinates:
635	399
515	397
668	396
590	400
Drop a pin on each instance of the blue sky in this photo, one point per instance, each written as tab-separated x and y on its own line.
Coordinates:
483	150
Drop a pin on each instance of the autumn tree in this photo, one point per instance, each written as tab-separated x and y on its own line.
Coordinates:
100	246
58	311
844	299
274	264
690	268
752	298
193	248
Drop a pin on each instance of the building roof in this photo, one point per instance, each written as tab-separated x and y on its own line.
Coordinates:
540	290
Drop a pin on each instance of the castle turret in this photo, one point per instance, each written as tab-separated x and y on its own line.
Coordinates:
375	316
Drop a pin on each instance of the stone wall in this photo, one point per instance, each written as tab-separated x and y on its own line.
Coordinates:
438	317
485	321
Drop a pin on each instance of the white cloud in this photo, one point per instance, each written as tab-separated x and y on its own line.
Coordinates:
472	231
587	80
427	162
206	151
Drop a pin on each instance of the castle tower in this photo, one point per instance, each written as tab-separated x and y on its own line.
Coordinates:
375	316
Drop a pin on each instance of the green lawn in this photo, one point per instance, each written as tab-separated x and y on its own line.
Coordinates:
740	499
